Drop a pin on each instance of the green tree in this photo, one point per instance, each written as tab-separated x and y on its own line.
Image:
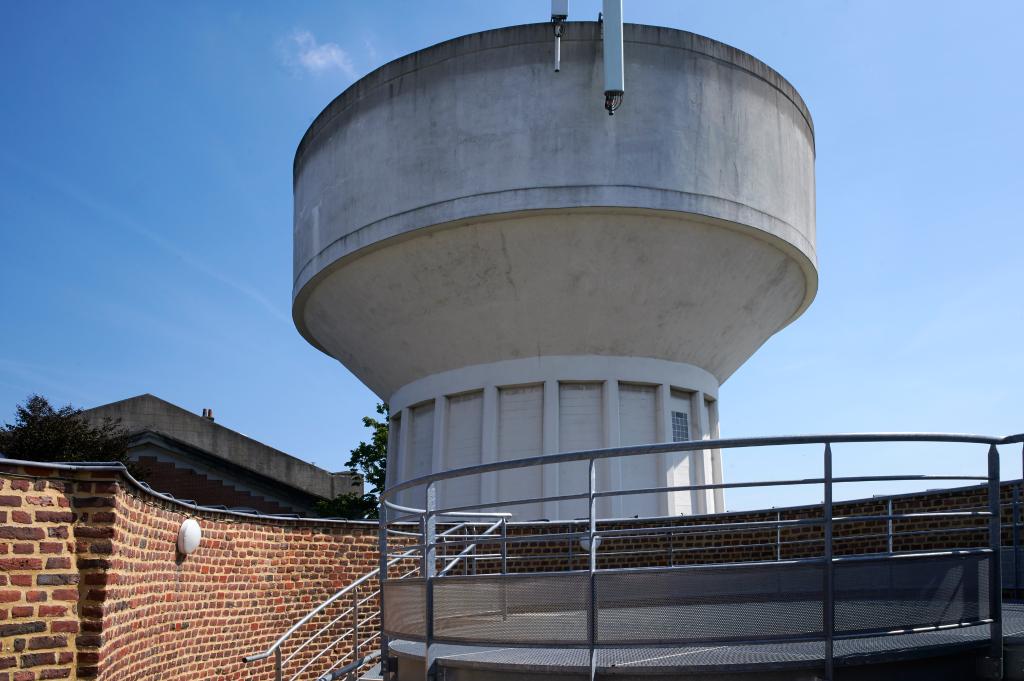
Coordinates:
368	460
42	433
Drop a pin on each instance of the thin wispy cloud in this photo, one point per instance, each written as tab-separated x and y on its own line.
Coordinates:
303	50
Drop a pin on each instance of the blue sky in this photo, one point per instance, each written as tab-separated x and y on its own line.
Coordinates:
145	209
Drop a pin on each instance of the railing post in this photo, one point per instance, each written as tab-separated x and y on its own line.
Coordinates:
592	550
571	540
504	568
428	569
355	624
1016	540
504	545
1016	532
828	609
672	548
277	664
382	576
995	586
778	535
889	526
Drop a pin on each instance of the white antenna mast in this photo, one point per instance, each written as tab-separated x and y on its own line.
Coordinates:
614	71
559	13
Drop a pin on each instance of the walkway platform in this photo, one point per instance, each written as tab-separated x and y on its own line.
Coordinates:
946	654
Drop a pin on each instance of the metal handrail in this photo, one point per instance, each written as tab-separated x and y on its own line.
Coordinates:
352	630
318	609
431	512
331	623
470	548
332	673
487	558
719	529
690	445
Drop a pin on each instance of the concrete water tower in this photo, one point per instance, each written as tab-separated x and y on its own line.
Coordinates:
517	272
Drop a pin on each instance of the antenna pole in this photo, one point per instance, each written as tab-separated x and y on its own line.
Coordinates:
614	71
559	13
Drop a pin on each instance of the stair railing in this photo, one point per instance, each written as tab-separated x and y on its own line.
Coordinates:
364	627
470	551
352	632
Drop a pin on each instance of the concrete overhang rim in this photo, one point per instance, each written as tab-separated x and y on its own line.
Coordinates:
462	209
418	59
808	264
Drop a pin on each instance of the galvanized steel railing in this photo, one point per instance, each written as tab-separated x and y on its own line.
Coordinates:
429	539
358	643
362	626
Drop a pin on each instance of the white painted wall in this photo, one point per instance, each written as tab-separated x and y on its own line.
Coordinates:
638	424
417	459
520	435
681	470
580	427
463	444
489	413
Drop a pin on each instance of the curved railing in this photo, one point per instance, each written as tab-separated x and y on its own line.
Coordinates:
593	601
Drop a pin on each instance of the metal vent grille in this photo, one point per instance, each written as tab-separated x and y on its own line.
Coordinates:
680	426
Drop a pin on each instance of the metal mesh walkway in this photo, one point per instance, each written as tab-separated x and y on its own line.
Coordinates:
719	658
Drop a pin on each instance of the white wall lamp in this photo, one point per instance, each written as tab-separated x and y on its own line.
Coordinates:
189	536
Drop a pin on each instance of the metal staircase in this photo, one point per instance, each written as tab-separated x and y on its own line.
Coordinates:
340	639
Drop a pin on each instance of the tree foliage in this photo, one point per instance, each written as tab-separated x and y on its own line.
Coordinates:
368	460
42	433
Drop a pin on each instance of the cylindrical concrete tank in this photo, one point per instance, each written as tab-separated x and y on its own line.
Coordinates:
519	273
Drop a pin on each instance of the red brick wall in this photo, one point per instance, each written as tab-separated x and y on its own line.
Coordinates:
91	584
38	580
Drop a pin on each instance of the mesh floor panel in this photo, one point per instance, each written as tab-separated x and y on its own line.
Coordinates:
719	658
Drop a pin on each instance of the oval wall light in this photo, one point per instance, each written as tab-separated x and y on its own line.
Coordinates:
189	536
